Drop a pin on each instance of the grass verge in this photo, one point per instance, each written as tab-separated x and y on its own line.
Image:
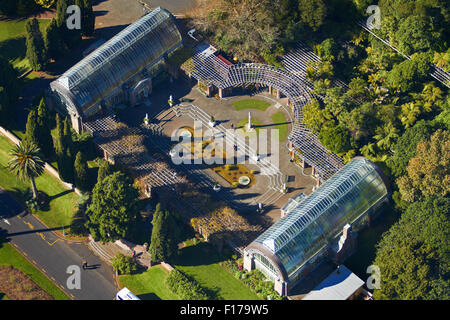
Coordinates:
11	257
60	210
250	104
149	285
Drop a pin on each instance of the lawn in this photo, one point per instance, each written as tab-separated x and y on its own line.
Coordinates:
9	256
255	123
201	262
149	285
12	41
250	104
281	124
61	208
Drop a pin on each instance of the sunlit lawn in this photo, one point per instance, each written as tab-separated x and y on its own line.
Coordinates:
12	41
149	285
201	262
62	203
251	104
280	123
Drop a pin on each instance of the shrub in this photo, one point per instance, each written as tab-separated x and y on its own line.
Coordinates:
123	264
186	288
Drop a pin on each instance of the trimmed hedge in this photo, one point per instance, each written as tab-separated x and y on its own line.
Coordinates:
186	288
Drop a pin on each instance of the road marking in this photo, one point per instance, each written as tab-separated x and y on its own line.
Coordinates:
44	270
42	236
53	278
51	244
34	261
25	253
28	224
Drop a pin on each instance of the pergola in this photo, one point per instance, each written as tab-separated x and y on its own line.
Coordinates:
212	71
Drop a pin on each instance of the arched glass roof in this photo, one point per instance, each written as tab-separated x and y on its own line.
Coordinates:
107	68
318	218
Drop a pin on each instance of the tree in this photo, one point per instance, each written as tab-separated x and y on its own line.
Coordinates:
165	236
335	139
442	60
61	9
36	53
428	173
123	264
328	49
81	172
406	145
26	163
409	114
45	3
32	130
407	75
54	43
104	170
45	140
114	209
413	256
87	18
313	13
63	153
413	35
9	90
386	136
314	117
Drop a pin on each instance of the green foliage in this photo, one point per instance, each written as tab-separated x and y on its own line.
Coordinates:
405	147
328	49
124	264
407	75
413	255
185	287
36	52
104	170
165	236
312	12
45	141
26	162
114	208
81	173
32	130
9	90
336	139
53	40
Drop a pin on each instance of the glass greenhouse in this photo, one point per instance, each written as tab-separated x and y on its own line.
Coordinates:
118	64
313	222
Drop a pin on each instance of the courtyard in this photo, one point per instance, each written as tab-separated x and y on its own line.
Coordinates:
267	113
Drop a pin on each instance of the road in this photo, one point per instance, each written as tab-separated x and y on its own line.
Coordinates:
53	255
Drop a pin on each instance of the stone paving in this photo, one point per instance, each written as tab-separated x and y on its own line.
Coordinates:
163	116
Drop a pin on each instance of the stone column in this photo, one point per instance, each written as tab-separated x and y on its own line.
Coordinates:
249	263
278	94
220	93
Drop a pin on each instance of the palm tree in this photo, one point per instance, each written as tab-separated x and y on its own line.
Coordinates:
442	60
431	94
386	136
410	113
27	163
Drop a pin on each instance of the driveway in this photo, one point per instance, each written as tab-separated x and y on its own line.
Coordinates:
53	255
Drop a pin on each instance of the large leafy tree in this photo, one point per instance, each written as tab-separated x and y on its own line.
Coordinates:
413	256
428	173
114	208
9	90
312	12
335	138
63	151
45	140
27	163
54	43
406	145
